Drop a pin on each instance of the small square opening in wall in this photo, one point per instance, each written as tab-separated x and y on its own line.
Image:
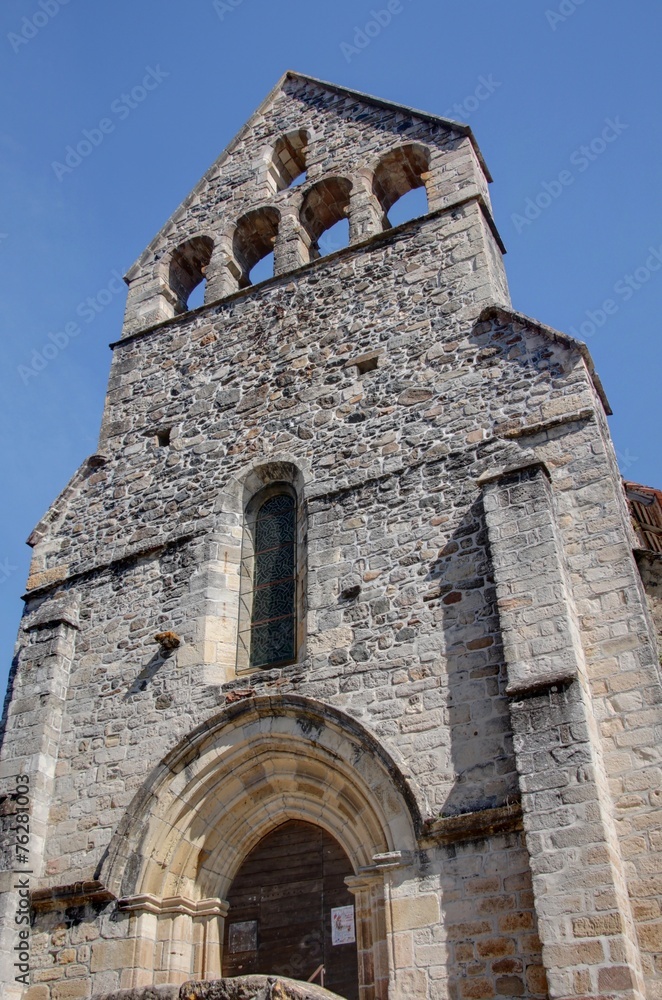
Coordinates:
365	363
163	437
368	365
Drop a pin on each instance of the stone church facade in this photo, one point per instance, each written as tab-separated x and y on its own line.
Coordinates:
336	653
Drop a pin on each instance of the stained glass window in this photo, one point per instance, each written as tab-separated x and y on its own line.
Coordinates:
273	610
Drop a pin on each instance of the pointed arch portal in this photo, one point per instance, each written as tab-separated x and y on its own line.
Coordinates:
216	803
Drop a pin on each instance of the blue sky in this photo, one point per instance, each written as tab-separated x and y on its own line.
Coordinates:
564	98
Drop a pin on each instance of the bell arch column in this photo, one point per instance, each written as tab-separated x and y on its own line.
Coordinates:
365	213
290	249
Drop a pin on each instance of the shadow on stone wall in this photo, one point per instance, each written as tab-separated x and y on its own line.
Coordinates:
488	926
476	703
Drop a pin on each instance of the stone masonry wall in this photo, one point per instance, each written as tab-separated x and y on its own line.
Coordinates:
427	624
402	492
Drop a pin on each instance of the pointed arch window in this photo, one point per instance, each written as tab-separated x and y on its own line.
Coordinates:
270	580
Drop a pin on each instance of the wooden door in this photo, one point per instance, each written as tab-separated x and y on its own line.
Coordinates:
282	903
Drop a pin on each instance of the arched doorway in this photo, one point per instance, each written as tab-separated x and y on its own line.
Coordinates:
290	910
173	860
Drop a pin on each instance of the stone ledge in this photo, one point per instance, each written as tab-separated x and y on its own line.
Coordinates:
148	903
474	825
542	426
64	612
45	579
126	556
61	897
524	685
512	472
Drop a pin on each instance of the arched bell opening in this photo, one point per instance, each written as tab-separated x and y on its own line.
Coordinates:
325	216
290	911
288	162
187	272
401	184
253	245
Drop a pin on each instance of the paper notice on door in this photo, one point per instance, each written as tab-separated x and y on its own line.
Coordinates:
342	925
243	937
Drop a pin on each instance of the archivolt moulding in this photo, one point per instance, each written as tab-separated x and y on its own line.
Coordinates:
236	777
